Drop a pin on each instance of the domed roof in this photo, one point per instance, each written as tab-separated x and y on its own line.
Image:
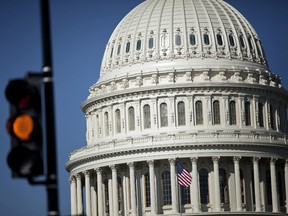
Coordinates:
159	35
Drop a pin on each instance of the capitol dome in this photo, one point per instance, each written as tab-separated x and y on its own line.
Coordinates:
183	81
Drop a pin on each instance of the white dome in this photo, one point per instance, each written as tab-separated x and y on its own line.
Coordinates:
165	34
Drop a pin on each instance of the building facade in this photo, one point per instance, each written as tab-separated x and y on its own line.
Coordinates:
183	80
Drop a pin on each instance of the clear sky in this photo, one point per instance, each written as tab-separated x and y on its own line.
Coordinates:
80	31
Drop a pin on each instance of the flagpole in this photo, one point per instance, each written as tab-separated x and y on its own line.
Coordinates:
179	198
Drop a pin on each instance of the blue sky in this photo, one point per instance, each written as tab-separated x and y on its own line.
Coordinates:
80	31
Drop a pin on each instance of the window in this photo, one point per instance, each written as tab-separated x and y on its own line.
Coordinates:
119	49
231	40
106	191
223	186
120	192
260	115
151	43
106	124
164	41
206	39
219	39
204	193
192	39
268	187
185	195
97	126
242	43
199	113
147	190
258	47
181	113
166	187
178	41
131	118
232	112
118	121
138	45
111	53
272	117
250	43
128	47
163	115
216	113
281	188
147	116
247	114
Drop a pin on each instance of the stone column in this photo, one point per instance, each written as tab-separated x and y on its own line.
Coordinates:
115	190
152	187
79	195
99	192
110	191
173	185
256	184
93	195
275	203
237	183
195	189
286	184
73	195
87	193
132	189
217	200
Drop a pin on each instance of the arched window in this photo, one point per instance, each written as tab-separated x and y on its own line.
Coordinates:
204	187
216	112
272	117
147	190
106	192
232	112
231	40
206	39
138	45
151	43
219	39
131	118
147	116
260	114
192	39
247	114
181	113
128	47
242	43
199	113
163	115
223	186
119	49
111	53
117	121
185	195
166	188
178	41
106	124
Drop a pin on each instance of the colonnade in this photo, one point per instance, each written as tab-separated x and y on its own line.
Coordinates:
95	191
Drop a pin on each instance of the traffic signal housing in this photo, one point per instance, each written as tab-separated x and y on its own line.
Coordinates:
25	127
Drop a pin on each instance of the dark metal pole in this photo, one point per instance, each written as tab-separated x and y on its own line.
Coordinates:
51	156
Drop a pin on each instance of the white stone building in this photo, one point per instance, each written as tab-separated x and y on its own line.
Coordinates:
183	79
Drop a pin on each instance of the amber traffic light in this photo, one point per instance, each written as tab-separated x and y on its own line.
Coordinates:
24	126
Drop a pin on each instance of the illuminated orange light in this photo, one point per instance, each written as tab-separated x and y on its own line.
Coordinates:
23	127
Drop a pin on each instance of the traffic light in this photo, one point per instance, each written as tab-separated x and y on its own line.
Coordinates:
25	128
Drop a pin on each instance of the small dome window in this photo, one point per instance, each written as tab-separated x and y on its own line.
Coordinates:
206	39
151	43
178	41
231	40
111	53
192	39
164	41
242	43
250	43
119	49
128	47
258	46
138	45
219	39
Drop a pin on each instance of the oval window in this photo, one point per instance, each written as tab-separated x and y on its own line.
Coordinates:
231	40
192	39
119	49
138	45
151	43
219	40
242	43
128	47
206	39
178	40
164	41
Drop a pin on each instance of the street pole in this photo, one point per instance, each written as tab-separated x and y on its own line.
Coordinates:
51	156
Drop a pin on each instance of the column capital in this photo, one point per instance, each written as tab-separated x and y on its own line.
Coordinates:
256	159
78	176
194	159
87	173
215	159
72	179
98	170
236	159
151	162
113	168
273	160
131	165
172	161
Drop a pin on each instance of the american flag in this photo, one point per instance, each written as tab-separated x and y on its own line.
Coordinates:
184	177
